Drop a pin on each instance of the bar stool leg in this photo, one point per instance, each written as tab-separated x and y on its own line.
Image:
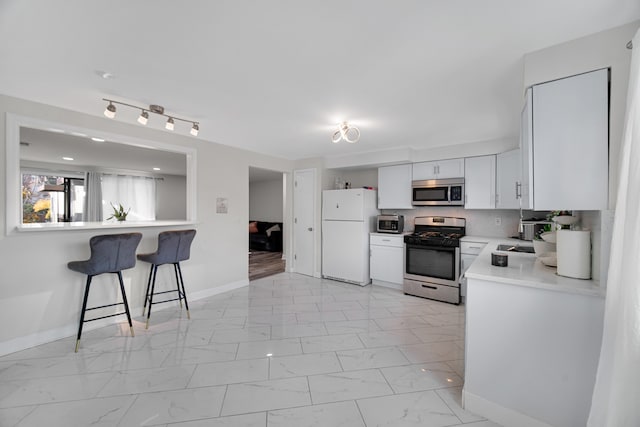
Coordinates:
146	295
84	308
175	270
153	287
126	303
184	293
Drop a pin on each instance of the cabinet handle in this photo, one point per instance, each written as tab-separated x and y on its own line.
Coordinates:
475	247
518	190
386	240
429	287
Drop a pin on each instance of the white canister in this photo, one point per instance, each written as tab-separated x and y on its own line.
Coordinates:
574	253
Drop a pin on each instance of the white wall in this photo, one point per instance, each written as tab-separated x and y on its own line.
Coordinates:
265	200
171	197
43	303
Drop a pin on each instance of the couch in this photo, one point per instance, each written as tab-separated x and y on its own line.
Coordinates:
265	236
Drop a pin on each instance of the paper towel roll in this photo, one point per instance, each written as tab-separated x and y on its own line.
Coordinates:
574	253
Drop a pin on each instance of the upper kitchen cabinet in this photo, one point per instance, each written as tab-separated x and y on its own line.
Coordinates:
440	169
480	182
508	180
394	187
565	144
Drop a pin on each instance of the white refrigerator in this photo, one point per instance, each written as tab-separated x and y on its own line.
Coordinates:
348	216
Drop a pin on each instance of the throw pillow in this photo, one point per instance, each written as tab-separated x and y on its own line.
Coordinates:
253	227
272	229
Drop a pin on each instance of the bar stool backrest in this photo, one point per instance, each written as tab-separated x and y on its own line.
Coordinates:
112	253
174	246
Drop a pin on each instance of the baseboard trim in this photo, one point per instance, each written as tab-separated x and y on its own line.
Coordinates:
384	284
499	414
50	335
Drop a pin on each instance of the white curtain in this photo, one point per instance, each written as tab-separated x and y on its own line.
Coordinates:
132	192
92	197
616	396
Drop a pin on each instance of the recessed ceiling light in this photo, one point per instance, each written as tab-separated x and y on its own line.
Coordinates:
105	74
97	139
67	158
156	169
79	134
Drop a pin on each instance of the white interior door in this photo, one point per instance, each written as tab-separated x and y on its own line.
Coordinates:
304	232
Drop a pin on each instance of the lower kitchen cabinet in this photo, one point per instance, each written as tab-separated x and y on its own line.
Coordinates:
469	251
387	258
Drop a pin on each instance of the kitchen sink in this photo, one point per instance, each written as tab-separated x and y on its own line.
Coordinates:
516	248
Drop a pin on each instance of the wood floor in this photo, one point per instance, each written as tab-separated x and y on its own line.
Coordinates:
263	264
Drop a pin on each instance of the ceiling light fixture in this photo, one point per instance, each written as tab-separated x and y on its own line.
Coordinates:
143	119
347	132
97	139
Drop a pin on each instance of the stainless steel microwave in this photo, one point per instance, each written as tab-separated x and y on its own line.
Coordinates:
438	192
390	224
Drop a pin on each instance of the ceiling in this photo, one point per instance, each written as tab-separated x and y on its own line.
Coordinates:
277	76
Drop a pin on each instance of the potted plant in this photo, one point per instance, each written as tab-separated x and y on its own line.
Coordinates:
119	213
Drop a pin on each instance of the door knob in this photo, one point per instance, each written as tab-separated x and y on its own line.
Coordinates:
310	229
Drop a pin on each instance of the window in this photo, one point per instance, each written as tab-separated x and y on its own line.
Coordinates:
51	198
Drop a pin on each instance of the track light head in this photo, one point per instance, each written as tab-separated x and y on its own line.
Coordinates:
144	118
195	129
110	111
169	124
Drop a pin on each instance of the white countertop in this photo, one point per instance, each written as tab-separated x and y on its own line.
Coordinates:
525	270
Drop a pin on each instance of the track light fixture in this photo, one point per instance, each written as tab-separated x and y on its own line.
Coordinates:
347	132
110	112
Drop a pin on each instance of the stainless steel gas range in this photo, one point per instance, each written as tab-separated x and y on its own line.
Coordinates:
432	258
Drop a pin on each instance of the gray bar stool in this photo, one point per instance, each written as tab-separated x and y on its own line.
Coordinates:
173	247
110	253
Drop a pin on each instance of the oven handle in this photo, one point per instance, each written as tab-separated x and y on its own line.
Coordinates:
433	248
429	287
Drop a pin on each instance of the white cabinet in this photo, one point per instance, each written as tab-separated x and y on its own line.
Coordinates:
440	169
387	258
508	180
394	187
565	143
480	182
469	251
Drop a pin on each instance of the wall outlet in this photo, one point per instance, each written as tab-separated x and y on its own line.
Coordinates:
497	221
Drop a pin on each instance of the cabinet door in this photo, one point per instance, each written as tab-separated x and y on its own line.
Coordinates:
526	153
480	182
570	143
425	170
347	205
394	187
507	179
386	264
453	168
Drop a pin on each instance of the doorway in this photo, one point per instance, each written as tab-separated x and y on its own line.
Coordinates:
266	222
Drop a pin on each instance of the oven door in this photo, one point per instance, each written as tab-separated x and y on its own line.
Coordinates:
434	264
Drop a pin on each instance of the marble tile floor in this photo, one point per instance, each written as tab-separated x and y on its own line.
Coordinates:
288	350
